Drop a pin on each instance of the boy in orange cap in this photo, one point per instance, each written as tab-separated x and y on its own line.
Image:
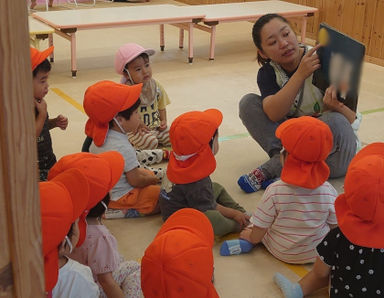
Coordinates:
194	138
296	212
179	261
61	201
351	257
40	70
113	112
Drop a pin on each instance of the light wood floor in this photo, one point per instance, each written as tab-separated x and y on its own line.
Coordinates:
198	86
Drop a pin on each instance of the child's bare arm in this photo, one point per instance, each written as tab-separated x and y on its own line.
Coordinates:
140	178
253	234
60	121
41	107
109	285
240	217
163	119
316	279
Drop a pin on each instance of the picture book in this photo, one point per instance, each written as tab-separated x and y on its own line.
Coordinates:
341	58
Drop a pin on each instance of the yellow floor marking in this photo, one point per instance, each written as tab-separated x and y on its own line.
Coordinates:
298	269
68	99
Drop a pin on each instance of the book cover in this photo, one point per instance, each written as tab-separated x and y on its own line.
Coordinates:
341	58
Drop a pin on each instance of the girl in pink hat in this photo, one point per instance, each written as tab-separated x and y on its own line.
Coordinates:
132	62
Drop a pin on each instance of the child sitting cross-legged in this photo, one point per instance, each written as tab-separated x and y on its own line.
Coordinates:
194	138
296	212
350	259
113	111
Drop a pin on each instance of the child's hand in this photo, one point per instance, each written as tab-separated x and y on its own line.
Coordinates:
309	63
143	129
330	99
41	106
246	234
241	218
61	122
163	125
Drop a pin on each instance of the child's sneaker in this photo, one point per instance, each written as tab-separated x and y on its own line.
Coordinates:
166	154
114	214
252	182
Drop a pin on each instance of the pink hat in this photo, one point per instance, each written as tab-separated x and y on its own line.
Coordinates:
127	52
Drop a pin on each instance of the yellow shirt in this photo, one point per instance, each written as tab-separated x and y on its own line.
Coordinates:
150	112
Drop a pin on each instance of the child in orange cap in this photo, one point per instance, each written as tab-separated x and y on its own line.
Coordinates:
296	212
97	247
61	201
102	172
351	257
113	111
194	138
40	70
116	277
179	261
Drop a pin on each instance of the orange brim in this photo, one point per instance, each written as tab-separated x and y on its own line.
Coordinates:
304	174
116	162
193	169
190	220
358	231
37	57
51	269
98	132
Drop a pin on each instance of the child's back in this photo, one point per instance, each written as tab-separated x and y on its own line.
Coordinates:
297	219
295	213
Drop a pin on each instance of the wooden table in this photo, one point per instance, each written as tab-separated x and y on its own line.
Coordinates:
245	11
67	22
39	31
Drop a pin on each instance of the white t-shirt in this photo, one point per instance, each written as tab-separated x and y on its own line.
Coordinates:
297	220
117	141
75	280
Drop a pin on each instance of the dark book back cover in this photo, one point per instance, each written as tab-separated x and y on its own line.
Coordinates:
341	59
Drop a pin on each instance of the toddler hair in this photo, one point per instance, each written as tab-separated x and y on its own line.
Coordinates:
143	55
44	66
99	209
126	114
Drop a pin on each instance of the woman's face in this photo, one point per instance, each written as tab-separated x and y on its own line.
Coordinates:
279	43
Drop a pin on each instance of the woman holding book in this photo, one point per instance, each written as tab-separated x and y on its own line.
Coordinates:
285	83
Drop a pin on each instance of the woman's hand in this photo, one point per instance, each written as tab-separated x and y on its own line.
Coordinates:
309	63
330	100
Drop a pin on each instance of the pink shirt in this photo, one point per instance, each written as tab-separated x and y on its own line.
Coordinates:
297	220
99	251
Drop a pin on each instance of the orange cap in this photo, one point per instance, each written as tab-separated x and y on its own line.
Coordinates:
57	213
308	142
37	57
102	171
102	102
192	158
360	210
179	261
